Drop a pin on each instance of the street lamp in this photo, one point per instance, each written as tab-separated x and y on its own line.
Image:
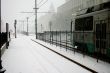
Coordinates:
15	22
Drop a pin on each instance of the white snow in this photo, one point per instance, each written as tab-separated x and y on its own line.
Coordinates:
100	67
26	56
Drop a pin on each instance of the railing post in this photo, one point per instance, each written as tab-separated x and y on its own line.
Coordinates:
45	36
66	40
73	42
60	39
56	38
52	37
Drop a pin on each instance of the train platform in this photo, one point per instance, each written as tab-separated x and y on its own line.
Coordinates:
27	56
87	61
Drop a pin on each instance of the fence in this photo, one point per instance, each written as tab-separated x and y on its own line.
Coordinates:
87	43
3	38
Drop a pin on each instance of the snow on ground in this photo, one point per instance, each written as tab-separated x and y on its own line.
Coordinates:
26	56
100	67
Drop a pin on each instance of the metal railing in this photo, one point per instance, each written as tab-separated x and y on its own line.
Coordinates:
86	43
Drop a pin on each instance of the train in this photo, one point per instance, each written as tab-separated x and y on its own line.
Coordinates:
92	29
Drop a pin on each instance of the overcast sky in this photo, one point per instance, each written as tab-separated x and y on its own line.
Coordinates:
11	9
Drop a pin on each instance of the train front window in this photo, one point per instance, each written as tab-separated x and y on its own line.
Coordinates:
84	24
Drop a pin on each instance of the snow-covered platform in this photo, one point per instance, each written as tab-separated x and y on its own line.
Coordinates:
26	56
100	67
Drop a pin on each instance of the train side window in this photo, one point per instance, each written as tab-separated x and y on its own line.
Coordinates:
85	24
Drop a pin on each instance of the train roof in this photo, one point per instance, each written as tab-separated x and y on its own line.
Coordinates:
92	13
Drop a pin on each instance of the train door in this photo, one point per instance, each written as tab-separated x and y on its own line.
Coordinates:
101	36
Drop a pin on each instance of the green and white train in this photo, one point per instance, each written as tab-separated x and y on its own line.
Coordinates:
92	29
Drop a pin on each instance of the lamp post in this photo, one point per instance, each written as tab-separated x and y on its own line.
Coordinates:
15	27
36	18
0	16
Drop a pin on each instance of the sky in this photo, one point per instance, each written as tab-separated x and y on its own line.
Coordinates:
11	9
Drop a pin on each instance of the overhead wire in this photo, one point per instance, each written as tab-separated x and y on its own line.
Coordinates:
43	4
40	2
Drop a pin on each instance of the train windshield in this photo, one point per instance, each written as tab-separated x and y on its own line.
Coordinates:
84	24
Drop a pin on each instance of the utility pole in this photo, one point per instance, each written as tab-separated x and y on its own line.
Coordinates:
36	18
0	16
27	26
15	27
